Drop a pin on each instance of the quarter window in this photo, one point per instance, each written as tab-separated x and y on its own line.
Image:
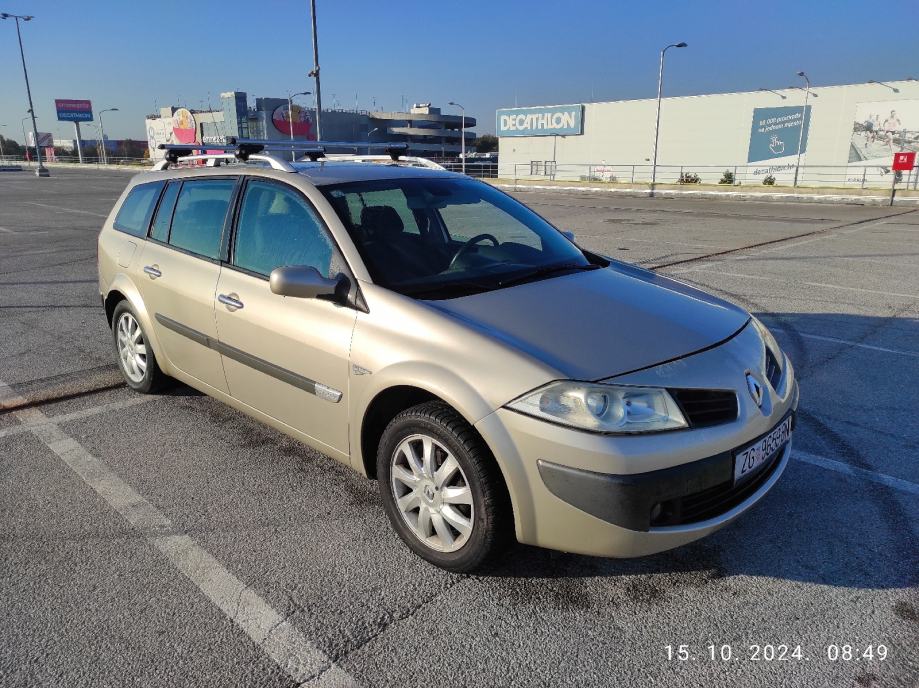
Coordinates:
200	210
134	215
160	230
276	227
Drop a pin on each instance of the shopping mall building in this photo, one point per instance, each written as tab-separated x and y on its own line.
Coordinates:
426	131
847	136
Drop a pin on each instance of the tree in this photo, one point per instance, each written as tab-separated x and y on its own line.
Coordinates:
11	147
486	143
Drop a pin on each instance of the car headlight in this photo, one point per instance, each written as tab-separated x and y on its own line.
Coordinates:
602	408
768	339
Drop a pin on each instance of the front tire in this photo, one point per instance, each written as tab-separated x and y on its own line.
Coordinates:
441	488
135	355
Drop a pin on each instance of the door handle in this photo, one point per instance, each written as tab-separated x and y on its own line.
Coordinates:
153	271
231	301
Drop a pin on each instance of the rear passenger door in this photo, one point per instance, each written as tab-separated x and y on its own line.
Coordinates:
181	264
286	357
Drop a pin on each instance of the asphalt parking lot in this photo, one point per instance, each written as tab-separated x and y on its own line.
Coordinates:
171	540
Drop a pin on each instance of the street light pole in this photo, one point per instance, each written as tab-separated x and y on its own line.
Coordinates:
462	133
1	144
25	139
368	138
290	118
807	92
42	171
102	134
657	122
315	70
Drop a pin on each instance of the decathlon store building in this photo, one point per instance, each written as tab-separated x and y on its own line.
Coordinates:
847	136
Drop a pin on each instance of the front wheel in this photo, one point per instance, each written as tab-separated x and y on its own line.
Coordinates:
441	488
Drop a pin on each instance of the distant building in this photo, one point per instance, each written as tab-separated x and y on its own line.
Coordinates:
424	128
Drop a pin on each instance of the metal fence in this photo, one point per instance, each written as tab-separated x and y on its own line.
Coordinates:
840	176
756	176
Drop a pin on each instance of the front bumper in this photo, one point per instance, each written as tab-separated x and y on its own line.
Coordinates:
592	494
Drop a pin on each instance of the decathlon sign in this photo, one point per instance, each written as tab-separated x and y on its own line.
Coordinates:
558	120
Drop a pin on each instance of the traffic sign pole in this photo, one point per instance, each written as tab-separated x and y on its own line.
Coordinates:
902	162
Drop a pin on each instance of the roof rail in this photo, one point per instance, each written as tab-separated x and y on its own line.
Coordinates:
243	149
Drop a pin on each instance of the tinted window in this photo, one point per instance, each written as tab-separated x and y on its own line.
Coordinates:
276	227
200	210
160	230
137	209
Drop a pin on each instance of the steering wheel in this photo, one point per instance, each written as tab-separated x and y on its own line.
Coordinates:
465	248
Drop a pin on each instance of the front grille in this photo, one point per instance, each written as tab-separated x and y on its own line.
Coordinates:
713	501
706	407
773	370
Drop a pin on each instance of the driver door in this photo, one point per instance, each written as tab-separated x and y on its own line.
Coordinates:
286	357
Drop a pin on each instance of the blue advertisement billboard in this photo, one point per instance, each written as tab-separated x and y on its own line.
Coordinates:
556	120
73	110
776	132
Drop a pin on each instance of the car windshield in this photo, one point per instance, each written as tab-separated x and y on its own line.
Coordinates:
441	238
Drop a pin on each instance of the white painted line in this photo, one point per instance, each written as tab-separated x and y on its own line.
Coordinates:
7	231
855	472
291	651
809	284
77	415
69	210
846	342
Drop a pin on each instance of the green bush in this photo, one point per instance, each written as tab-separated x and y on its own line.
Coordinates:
727	178
689	178
769	180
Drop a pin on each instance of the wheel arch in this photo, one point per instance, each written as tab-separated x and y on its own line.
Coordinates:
122	289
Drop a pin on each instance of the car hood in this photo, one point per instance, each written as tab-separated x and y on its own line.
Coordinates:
601	323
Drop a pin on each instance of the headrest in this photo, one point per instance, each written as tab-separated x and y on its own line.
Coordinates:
381	220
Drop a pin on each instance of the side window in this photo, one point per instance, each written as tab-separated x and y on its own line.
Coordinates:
134	215
276	227
160	230
197	223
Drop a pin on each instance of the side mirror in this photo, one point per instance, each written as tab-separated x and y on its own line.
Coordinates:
305	282
569	235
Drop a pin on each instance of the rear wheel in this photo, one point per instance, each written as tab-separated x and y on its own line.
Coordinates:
135	355
441	488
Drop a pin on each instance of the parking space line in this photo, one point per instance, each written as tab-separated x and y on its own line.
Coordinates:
291	651
846	342
855	472
69	210
76	415
809	284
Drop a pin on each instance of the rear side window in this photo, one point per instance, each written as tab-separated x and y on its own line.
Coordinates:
276	227
197	223
160	230
134	215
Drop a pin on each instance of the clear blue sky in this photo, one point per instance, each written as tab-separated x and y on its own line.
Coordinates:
484	55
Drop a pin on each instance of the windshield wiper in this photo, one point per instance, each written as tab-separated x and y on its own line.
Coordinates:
545	271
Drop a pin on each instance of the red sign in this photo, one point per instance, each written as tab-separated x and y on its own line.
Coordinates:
904	161
301	122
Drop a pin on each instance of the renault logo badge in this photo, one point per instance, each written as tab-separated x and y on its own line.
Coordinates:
756	389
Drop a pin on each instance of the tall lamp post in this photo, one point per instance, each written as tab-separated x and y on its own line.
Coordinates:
1	144
102	134
290	118
25	139
807	92
657	123
42	171
314	72
462	134
368	138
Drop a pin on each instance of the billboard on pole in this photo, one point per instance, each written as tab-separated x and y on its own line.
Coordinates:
73	110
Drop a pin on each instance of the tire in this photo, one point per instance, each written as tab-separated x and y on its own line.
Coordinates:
135	359
412	486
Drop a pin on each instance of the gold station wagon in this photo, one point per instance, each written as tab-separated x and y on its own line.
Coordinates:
435	334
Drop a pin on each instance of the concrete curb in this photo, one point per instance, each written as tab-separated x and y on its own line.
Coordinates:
782	197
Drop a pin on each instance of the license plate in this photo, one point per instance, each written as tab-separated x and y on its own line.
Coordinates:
751	459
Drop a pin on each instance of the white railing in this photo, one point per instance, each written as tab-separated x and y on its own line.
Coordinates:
840	176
